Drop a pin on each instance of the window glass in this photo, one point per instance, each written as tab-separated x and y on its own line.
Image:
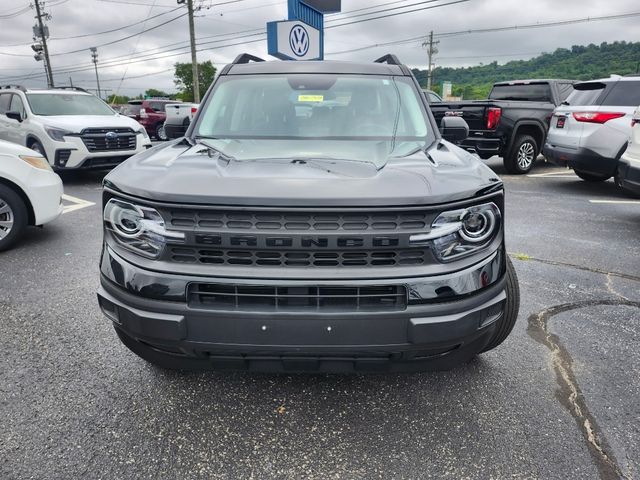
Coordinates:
623	94
588	94
538	92
319	116
49	104
5	99
17	105
564	90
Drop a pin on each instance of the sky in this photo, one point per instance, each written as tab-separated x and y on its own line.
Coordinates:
130	61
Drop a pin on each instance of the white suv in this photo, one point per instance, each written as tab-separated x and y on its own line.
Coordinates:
629	167
589	132
72	128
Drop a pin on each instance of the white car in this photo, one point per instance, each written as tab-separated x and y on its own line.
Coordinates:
72	128
589	132
30	192
629	167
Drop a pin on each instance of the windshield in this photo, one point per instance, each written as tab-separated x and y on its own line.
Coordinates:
315	116
49	104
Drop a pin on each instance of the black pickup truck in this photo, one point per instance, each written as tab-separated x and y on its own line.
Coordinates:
514	121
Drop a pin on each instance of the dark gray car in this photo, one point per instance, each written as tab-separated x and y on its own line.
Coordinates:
312	219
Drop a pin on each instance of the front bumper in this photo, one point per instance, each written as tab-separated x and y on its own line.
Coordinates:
44	189
72	154
581	159
629	173
448	319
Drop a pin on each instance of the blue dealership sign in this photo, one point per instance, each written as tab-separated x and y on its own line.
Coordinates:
302	36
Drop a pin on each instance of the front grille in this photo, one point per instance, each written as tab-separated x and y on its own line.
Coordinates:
275	258
108	139
291	298
99	162
297	238
221	220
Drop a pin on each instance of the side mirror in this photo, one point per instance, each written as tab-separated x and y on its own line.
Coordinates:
454	129
14	115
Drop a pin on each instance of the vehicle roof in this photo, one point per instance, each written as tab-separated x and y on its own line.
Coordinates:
335	67
614	78
60	91
534	80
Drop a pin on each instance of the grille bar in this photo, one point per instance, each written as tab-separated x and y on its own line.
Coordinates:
97	139
292	259
294	298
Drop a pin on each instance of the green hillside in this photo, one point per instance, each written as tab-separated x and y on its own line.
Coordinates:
579	63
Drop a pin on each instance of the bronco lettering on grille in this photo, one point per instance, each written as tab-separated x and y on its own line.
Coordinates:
296	242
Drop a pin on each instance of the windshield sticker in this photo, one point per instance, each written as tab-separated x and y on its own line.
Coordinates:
310	98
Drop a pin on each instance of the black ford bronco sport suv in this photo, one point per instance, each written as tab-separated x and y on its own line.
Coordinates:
313	218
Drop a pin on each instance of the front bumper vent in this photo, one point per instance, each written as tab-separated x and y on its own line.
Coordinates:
294	298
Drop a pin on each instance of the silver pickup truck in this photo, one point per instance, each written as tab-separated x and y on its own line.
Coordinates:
179	117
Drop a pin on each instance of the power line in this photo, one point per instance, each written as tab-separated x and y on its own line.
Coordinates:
488	30
398	13
380	11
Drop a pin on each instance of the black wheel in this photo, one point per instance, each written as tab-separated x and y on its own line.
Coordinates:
13	217
162	359
160	133
36	146
511	308
522	156
588	177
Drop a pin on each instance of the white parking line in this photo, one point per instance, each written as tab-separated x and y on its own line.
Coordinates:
78	204
617	202
561	174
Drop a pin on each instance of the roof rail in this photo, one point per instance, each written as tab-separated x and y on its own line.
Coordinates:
70	87
17	87
388	58
633	75
246	58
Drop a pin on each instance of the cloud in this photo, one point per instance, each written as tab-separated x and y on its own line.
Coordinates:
219	25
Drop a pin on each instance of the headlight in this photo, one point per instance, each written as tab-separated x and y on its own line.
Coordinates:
57	133
143	131
462	232
36	161
140	229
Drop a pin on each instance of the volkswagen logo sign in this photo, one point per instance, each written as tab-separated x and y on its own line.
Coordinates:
299	40
111	135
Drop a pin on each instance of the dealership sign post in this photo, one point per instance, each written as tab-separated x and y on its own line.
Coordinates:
302	36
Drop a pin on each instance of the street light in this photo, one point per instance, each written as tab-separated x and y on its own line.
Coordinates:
94	59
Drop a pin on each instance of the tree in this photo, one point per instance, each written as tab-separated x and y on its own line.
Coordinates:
152	92
117	99
184	78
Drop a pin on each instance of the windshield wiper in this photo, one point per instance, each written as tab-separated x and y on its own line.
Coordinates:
211	150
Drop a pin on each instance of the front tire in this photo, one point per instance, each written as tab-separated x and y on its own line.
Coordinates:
160	133
37	147
589	177
13	217
512	306
522	156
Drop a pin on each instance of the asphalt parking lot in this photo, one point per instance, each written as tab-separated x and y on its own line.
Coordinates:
559	399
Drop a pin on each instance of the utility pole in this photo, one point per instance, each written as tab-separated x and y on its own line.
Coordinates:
94	59
431	52
194	60
41	31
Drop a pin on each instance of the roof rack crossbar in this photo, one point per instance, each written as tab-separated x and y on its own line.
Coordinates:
246	58
17	87
388	58
70	87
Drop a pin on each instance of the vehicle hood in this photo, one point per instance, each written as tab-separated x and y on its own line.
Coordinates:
180	173
77	123
7	148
